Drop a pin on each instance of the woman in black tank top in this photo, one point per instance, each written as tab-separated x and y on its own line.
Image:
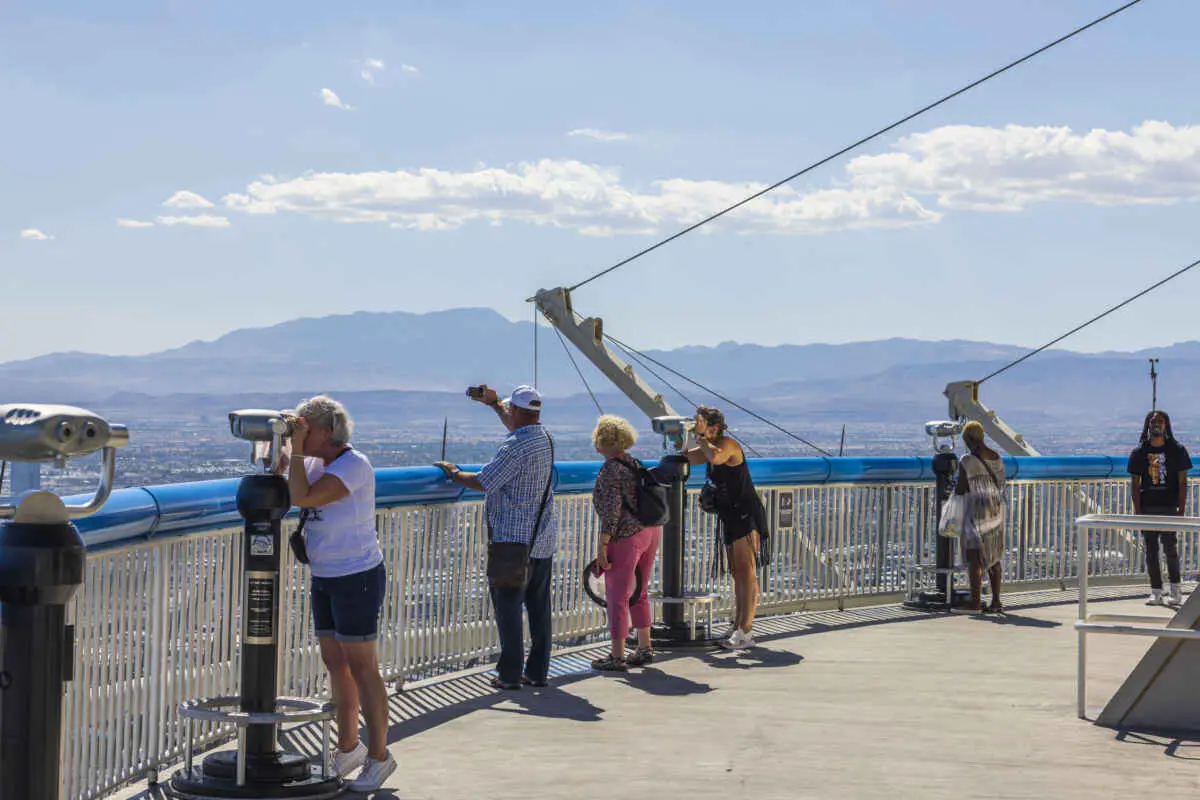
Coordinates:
741	514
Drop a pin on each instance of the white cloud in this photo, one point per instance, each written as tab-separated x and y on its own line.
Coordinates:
133	223
1008	169
331	99
565	194
34	235
185	199
370	67
196	221
924	176
600	136
409	68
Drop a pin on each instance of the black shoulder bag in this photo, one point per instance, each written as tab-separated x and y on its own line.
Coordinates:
714	497
296	540
508	562
652	507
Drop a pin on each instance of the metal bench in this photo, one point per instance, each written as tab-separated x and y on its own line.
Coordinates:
690	600
920	576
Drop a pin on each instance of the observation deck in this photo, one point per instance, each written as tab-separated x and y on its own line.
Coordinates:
849	694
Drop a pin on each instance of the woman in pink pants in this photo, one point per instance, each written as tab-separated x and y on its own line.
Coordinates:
625	545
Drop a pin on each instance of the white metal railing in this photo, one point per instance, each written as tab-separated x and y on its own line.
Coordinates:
157	622
1090	526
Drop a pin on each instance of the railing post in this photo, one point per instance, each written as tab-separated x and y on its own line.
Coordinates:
1024	525
400	590
1081	547
159	662
885	516
840	570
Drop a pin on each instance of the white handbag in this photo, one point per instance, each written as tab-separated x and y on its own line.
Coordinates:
951	523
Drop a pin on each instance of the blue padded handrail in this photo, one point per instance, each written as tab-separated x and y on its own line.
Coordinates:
177	508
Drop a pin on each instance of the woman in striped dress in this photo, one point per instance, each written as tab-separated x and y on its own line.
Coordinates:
981	479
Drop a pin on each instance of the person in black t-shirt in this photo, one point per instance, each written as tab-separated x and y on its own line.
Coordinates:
1159	467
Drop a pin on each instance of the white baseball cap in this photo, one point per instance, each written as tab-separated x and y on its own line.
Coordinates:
526	397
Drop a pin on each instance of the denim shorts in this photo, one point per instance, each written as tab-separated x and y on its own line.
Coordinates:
347	607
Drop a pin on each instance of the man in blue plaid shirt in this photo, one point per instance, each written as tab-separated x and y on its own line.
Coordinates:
515	482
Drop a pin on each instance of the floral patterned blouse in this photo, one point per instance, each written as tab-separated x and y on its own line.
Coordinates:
614	493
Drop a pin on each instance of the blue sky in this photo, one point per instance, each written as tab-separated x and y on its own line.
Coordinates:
1008	215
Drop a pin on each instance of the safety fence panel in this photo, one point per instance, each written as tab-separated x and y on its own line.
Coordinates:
158	622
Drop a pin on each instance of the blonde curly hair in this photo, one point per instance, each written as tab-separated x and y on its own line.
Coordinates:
613	433
972	434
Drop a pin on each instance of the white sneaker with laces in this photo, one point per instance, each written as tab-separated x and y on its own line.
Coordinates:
373	775
1175	595
747	641
345	763
1155	598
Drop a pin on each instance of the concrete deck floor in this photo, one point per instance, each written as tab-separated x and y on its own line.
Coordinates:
871	702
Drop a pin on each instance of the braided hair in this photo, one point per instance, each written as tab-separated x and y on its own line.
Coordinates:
1168	434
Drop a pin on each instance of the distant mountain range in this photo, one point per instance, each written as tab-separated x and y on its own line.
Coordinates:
419	364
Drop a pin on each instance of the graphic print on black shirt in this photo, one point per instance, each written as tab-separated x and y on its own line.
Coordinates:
1159	469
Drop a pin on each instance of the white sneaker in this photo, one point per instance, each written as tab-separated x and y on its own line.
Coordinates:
1155	598
345	763
739	641
373	775
734	641
1175	595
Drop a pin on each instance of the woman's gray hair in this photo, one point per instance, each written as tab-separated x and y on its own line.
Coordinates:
325	412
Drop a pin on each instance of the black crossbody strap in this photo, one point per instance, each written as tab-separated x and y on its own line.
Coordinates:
545	495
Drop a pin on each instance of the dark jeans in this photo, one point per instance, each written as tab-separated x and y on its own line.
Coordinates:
1170	547
507	604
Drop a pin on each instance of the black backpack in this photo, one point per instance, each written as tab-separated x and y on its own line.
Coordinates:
652	506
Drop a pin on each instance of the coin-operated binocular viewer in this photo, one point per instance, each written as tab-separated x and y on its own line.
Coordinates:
258	767
42	559
679	616
942	434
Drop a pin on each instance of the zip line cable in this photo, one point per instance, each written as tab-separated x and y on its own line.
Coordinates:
578	371
650	369
672	387
634	355
858	143
1096	318
746	445
647	367
718	395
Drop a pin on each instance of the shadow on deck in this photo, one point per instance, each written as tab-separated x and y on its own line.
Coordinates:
949	706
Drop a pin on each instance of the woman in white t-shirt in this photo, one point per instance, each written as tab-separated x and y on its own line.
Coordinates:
336	484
